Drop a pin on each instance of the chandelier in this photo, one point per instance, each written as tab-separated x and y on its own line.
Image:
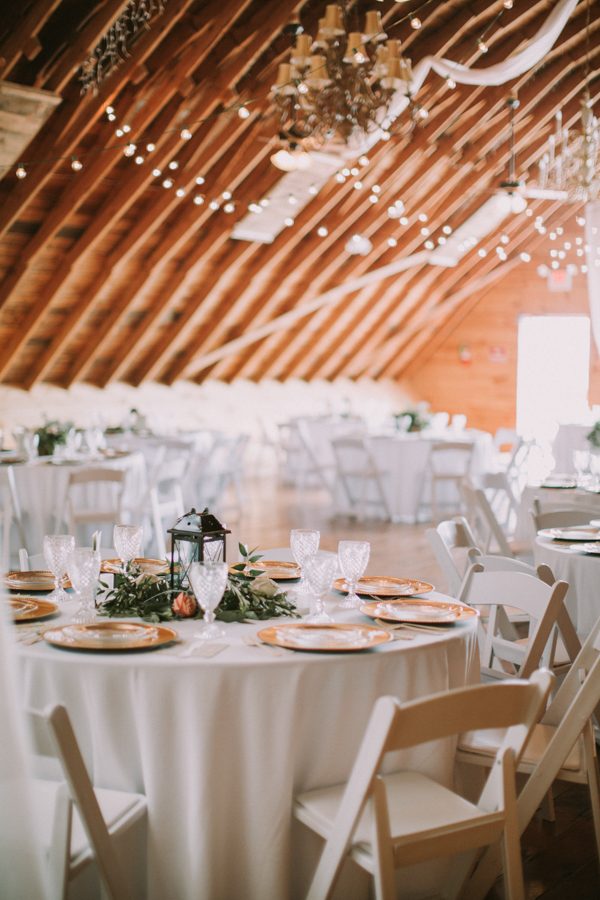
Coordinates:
572	158
337	87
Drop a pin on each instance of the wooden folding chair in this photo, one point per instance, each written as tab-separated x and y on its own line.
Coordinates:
561	748
488	532
392	820
81	821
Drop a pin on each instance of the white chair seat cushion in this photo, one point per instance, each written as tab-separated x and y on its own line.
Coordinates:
118	808
417	806
486	743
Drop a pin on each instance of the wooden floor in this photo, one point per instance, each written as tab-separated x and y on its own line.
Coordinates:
559	858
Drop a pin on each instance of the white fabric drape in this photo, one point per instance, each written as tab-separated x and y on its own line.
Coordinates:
20	864
592	240
517	64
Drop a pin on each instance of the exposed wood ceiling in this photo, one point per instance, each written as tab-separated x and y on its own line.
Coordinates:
108	275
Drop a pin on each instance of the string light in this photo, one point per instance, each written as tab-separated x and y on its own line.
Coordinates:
357	185
157	172
483	47
392	242
21	172
450	82
185	134
198	199
139	160
167	183
173	165
76	164
126	129
415	23
214	204
150	147
243	113
508	4
226	195
322	231
288	222
180	192
129	150
229	207
200	180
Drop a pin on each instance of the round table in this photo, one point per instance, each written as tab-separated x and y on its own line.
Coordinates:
551	498
221	746
582	572
41	487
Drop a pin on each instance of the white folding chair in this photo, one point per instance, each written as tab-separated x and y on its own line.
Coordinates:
506	445
10	513
448	464
565	642
564	517
219	470
450	541
561	748
79	823
94	496
502	655
392	820
486	527
361	480
501	496
166	499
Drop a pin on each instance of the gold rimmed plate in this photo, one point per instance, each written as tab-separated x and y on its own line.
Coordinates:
591	549
385	586
29	609
29	581
573	533
147	565
418	612
276	570
110	636
336	638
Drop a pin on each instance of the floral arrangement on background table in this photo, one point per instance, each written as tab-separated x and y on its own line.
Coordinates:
417	420
249	595
594	436
51	435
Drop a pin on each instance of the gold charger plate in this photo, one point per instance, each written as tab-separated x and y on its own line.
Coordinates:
338	637
422	612
29	609
110	636
274	568
30	581
147	565
385	586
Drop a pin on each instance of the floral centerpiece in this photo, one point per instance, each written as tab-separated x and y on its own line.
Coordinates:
249	594
417	421
594	436
51	435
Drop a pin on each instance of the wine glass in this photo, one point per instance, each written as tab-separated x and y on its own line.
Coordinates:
303	543
353	557
128	542
84	570
320	569
208	581
581	463
57	550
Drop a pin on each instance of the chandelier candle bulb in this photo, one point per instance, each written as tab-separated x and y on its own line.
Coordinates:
302	50
317	75
283	84
334	20
374	27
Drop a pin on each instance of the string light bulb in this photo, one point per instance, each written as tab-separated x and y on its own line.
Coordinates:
243	112
226	195
180	192
126	129
129	150
173	165
322	231
21	172
185	134
450	82
150	148
415	23
508	4
76	164
199	199
167	183
200	180
482	46
229	207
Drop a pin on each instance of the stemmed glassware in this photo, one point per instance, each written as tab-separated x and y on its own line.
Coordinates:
128	542
208	581
303	543
57	550
320	569
353	558
84	570
581	464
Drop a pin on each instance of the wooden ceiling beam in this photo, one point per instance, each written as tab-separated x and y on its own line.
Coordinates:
19	39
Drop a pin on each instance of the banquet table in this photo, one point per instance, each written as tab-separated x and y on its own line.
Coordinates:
555	497
581	571
220	746
42	484
402	458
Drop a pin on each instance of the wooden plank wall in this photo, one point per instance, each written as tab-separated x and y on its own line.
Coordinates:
485	387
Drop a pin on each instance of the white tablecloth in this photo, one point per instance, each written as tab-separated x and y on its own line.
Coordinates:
220	746
582	572
562	497
42	488
403	459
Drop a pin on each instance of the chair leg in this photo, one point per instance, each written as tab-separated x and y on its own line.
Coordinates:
511	838
547	807
385	881
593	779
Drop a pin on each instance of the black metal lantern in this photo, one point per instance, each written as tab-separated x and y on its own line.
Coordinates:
195	537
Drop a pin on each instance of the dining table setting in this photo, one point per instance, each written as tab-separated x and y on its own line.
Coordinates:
220	690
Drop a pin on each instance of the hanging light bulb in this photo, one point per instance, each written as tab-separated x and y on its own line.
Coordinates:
76	164
243	113
150	148
450	82
21	171
322	231
185	134
167	183
482	46
173	165
180	192
508	4
415	23
129	150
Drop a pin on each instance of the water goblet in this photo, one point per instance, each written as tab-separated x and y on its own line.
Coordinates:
128	542
57	550
353	557
208	581
581	464
84	570
320	569
303	543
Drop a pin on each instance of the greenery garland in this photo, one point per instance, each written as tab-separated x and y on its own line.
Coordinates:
249	595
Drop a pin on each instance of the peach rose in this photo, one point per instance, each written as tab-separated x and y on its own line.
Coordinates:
184	606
